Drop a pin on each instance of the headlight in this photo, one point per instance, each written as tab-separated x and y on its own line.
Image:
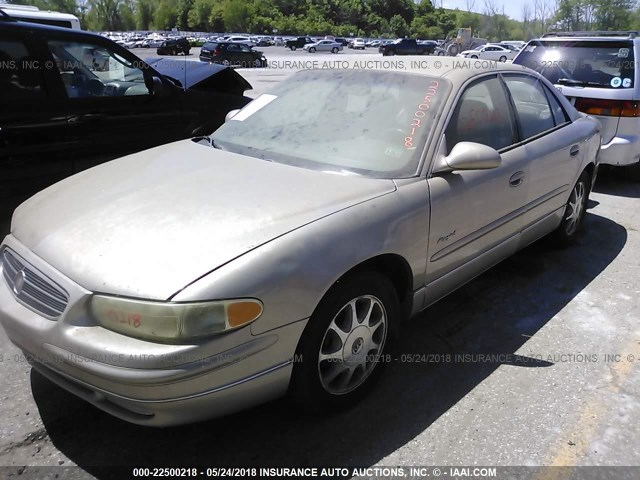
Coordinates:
172	322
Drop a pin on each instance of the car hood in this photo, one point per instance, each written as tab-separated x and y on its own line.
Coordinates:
146	225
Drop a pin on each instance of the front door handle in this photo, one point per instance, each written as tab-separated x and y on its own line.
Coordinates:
516	179
575	150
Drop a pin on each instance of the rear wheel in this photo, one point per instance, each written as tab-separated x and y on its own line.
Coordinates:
334	50
293	48
342	347
574	211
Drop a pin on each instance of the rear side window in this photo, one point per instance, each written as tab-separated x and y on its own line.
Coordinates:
20	74
531	105
599	64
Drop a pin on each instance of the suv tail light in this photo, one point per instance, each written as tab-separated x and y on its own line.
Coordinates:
608	108
217	52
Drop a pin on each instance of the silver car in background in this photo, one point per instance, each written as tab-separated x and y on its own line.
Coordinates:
209	275
323	46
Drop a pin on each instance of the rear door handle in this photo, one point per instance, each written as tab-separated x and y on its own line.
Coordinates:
575	150
516	179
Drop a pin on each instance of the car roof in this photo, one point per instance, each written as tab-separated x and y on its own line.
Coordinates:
458	70
583	39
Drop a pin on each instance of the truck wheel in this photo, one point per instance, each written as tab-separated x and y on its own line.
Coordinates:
452	50
293	48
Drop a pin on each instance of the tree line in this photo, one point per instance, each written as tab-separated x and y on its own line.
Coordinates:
367	18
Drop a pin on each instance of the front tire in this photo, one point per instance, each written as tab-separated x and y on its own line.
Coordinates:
312	50
570	227
502	59
342	347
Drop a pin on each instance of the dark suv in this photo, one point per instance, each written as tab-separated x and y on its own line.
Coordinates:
230	53
174	47
71	99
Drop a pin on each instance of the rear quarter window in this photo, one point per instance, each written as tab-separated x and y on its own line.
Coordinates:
599	63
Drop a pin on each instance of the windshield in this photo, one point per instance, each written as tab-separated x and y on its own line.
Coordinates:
372	123
601	64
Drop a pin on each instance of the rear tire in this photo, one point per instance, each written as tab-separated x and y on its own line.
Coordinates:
334	50
570	227
293	49
342	348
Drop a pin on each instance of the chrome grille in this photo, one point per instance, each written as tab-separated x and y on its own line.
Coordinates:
32	288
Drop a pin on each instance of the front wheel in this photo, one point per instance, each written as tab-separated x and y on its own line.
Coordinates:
312	50
574	212
342	349
502	59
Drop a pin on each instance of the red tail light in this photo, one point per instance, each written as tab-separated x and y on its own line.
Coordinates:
217	52
608	108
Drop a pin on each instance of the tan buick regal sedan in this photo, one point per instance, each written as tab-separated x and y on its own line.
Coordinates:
280	254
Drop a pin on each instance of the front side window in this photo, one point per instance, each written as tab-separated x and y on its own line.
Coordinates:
531	105
370	123
482	116
89	70
20	74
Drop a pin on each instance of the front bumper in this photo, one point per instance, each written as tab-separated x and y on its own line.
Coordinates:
144	382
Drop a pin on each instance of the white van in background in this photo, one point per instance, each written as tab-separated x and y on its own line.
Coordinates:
26	13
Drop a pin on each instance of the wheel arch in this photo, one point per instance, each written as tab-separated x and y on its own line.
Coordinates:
393	266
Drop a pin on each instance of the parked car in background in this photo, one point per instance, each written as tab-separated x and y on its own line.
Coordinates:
383	44
73	100
241	39
323	46
489	52
174	46
342	41
236	54
299	42
278	41
405	46
212	291
357	44
598	72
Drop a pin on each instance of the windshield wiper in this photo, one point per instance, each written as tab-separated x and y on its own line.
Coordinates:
580	83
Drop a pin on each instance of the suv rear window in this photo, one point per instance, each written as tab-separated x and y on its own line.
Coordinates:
600	64
210	46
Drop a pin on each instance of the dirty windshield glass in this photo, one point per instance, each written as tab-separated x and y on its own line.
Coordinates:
364	122
600	64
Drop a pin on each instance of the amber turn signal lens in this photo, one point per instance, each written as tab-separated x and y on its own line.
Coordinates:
239	313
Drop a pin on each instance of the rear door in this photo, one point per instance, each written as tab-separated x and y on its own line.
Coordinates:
34	143
554	147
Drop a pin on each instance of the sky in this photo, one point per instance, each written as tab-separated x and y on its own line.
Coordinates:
512	8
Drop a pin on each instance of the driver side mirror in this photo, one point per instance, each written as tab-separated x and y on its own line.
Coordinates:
470	156
157	86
